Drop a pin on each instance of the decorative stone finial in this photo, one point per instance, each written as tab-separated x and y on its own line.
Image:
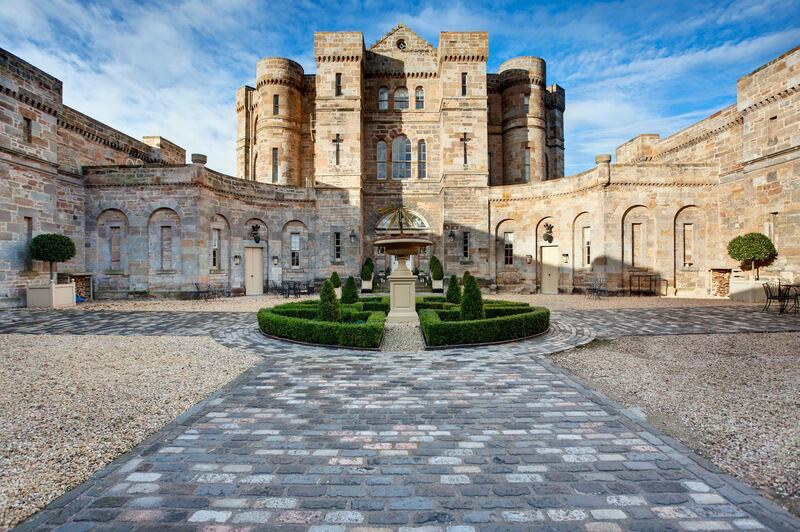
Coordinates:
199	158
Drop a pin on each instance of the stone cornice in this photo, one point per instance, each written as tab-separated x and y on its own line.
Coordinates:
105	141
29	100
692	141
279	81
338	58
772	98
400	75
462	58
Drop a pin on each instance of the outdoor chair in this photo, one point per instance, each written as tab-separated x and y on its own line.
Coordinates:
198	293
780	294
309	287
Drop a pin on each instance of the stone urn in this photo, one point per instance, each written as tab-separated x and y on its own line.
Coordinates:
402	282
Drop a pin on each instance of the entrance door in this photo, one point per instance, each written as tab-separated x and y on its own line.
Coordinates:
549	255
253	271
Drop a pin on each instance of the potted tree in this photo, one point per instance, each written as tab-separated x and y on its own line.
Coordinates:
366	275
337	284
437	275
52	248
752	250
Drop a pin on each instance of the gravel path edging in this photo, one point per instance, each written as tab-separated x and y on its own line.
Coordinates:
171	428
754	502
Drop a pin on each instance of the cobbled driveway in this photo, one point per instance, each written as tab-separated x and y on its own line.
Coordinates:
460	440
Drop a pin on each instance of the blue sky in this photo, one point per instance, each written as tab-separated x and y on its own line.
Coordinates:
157	67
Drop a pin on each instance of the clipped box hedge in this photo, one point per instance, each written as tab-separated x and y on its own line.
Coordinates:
442	327
297	321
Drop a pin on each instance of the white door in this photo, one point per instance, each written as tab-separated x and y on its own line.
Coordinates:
253	271
549	255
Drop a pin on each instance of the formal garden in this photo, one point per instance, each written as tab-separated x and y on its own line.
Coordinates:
460	317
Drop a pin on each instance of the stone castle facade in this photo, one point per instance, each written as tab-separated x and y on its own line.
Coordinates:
478	157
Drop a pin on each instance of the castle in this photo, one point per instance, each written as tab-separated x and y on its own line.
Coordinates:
478	157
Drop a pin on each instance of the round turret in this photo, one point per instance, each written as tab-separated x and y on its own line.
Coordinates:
522	82
277	123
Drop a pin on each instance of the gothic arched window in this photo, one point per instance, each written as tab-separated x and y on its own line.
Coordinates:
383	99
422	160
419	98
401	98
401	158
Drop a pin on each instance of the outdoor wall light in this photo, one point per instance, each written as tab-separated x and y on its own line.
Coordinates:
352	236
237	259
274	260
529	259
565	258
451	236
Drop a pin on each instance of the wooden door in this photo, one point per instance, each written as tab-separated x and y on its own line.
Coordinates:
549	255
254	271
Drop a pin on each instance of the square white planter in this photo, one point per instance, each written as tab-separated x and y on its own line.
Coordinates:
438	286
338	292
51	296
366	286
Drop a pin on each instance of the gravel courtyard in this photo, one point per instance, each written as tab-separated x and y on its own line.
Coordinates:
71	404
734	398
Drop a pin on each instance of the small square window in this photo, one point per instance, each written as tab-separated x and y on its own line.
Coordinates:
338	84
463	84
27	130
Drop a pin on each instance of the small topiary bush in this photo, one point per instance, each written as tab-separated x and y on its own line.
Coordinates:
453	290
292	321
755	248
328	303
367	270
349	292
52	248
437	272
335	281
471	301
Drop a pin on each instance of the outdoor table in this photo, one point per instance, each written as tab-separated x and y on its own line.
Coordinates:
652	283
792	291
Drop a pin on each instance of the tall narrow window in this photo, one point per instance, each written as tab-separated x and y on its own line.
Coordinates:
28	240
465	246
527	174
295	248
255	166
772	130
166	247
338	141
490	167
636	242
463	84
276	104
215	238
688	245
546	167
337	246
381	160
422	160
508	249
114	243
383	99
419	98
27	130
526	106
338	84
401	158
586	242
401	98
275	165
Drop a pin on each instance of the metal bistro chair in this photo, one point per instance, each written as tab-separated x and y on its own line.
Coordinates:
779	294
199	293
589	287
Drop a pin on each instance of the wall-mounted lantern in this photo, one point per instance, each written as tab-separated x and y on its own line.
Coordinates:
274	260
451	236
529	259
352	236
237	259
565	258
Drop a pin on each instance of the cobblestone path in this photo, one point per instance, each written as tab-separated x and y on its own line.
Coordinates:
458	440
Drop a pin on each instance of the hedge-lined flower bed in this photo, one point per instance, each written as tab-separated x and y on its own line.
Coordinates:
298	321
502	323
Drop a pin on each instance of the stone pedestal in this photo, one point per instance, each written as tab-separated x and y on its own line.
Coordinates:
402	295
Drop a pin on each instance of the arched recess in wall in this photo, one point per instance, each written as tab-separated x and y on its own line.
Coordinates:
112	242
164	241
638	238
298	254
507	263
582	256
219	244
689	255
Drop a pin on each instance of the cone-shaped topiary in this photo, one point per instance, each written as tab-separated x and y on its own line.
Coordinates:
464	278
335	281
437	272
368	261
52	248
328	303
349	292
753	248
453	291
366	270
471	301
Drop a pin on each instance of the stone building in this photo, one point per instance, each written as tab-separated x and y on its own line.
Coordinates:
479	157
